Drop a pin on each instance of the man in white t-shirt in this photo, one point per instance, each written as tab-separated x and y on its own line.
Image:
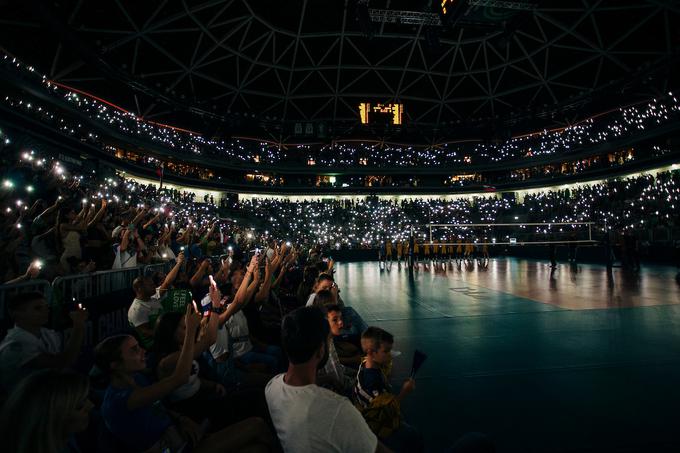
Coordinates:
309	418
146	307
28	346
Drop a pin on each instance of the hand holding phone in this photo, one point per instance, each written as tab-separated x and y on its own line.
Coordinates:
79	315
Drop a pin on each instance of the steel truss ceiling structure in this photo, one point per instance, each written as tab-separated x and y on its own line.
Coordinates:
309	60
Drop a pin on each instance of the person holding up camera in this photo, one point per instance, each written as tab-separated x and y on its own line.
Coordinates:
29	346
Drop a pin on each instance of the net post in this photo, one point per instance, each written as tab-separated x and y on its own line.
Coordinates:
411	242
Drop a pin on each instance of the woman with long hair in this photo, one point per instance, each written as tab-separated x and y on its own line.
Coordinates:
204	395
307	284
44	411
198	397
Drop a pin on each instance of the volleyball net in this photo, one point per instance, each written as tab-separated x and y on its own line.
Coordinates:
514	234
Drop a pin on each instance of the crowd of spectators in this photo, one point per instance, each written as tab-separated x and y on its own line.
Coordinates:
262	353
635	203
623	122
182	377
58	221
245	343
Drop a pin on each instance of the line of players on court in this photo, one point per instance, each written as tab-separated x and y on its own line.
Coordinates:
431	251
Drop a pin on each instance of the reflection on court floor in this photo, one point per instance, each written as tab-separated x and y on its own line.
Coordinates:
531	356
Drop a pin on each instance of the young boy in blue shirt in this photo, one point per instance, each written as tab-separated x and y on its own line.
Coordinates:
374	398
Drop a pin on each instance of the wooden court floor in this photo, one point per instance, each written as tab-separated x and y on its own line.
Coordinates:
572	360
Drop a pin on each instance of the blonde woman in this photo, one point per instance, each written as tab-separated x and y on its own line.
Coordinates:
44	412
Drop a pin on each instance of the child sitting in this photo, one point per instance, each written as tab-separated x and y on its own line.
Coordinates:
334	375
374	398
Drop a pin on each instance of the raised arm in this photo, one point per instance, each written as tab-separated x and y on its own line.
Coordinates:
210	231
165	237
200	273
279	278
252	288
90	214
98	216
47	233
140	244
125	241
152	221
140	215
145	396
172	275
81	215
72	348
52	208
263	293
32	272
222	273
241	293
209	334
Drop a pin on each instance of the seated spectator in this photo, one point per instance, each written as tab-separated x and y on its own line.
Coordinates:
132	411
247	351
374	398
204	395
349	353
44	412
326	292
324	282
29	346
309	418
200	396
323	298
221	359
334	375
347	339
146	307
306	286
191	398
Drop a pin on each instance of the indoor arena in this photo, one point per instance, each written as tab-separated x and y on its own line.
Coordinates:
350	226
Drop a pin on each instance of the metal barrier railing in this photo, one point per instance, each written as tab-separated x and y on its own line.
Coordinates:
82	286
162	267
7	291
